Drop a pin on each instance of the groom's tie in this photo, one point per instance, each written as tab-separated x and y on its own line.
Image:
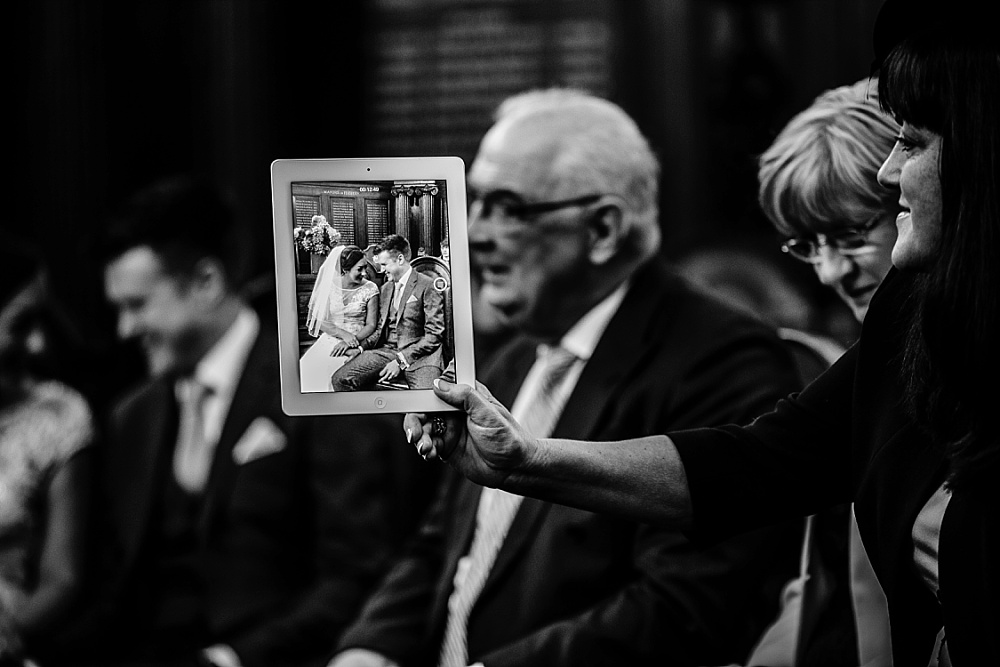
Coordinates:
497	508
193	454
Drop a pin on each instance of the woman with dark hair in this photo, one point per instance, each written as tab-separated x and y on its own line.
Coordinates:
903	424
343	310
44	480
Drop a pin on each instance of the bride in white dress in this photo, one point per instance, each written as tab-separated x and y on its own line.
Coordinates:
343	310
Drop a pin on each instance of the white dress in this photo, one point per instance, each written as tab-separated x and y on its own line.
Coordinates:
316	365
37	437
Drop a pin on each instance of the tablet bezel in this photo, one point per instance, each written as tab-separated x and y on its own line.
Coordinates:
285	172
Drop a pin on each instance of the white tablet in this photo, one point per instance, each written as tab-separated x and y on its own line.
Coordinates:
373	291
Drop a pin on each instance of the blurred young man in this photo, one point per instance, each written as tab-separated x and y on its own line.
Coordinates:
237	535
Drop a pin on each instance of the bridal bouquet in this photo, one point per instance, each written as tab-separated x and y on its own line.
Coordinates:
319	239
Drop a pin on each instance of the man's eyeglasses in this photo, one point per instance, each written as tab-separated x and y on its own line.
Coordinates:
849	242
509	205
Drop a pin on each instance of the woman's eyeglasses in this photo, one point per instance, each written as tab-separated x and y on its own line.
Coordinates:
509	205
849	242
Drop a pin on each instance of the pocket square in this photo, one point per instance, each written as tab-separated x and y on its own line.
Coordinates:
412	299
262	437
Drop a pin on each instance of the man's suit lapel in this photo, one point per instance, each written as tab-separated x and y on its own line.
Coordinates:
385	304
252	398
408	288
147	464
605	376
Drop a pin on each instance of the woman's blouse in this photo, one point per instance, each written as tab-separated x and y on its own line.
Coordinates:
927	535
38	435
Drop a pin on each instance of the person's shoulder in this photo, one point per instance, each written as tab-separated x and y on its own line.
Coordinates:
61	418
681	301
420	278
61	400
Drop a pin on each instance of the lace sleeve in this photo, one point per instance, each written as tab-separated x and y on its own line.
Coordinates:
63	424
370	290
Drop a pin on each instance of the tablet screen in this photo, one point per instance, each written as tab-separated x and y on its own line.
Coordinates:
373	288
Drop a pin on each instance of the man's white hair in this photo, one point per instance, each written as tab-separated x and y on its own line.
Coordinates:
602	149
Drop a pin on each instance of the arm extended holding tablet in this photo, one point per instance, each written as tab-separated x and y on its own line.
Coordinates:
641	478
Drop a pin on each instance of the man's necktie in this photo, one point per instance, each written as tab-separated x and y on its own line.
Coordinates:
396	291
193	454
497	509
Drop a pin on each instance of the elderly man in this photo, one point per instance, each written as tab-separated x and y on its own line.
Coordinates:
563	229
236	534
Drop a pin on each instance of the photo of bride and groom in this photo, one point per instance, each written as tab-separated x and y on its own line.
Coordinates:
371	338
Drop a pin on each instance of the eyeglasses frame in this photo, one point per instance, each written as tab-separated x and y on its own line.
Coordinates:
525	211
831	241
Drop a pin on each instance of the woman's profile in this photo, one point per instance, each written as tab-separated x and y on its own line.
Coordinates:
343	310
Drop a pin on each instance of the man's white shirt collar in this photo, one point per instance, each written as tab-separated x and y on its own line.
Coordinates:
222	366
406	276
583	337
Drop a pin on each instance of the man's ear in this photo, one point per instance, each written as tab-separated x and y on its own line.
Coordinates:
606	232
208	281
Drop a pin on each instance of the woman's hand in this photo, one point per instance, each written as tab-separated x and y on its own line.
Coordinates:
483	441
349	338
341	349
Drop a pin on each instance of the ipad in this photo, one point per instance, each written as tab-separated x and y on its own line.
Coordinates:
373	291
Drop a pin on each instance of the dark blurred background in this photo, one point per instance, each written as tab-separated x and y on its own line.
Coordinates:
108	95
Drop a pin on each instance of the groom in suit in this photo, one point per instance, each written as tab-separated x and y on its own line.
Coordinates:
410	331
236	535
564	236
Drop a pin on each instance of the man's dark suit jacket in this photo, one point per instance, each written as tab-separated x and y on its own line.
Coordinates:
291	541
420	328
574	588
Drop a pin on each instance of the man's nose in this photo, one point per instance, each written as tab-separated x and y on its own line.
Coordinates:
480	235
832	266
128	325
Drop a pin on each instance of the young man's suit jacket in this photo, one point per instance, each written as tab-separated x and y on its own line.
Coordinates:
420	327
300	515
574	588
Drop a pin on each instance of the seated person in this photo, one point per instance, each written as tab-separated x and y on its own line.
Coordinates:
233	534
819	188
606	342
343	310
46	432
407	341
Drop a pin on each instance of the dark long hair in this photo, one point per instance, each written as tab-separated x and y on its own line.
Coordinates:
350	256
948	81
